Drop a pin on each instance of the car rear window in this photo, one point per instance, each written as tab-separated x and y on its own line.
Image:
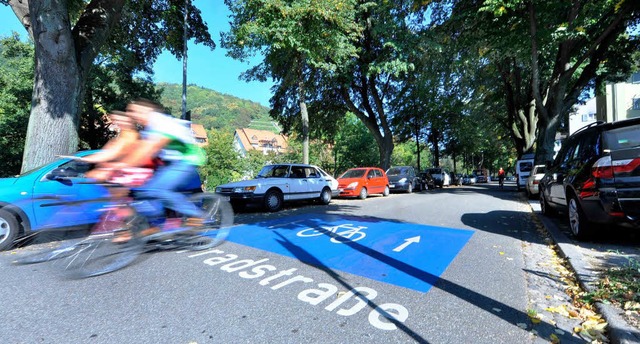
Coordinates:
621	138
526	166
398	171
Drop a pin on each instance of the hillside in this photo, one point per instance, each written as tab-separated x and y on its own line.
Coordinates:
215	110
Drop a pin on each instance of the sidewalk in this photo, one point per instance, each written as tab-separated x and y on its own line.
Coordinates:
587	260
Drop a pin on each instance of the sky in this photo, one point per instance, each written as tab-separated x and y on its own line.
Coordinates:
205	68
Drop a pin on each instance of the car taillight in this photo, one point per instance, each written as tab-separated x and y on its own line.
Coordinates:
606	169
602	168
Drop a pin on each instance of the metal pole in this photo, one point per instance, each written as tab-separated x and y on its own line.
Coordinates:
184	61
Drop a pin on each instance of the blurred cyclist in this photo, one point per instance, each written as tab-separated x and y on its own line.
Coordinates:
171	140
501	175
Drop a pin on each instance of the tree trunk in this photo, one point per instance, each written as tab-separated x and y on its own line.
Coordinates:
63	59
58	87
305	123
434	139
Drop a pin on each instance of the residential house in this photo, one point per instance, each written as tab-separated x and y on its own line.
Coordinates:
620	101
246	139
200	134
582	115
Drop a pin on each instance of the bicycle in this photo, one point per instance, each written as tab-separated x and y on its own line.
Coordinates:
96	252
336	237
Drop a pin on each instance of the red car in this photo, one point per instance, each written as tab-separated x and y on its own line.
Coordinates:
363	181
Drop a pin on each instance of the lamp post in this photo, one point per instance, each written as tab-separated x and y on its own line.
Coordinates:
184	61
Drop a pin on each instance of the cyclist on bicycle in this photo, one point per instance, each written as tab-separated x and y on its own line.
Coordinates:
171	140
501	175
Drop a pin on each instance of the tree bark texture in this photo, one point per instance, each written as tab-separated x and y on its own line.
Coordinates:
63	59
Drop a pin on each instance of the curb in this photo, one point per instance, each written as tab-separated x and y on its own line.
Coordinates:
619	330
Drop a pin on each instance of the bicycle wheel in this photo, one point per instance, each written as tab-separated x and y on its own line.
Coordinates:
212	229
57	237
47	245
100	253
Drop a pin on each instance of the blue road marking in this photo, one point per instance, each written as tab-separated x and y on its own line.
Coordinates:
379	249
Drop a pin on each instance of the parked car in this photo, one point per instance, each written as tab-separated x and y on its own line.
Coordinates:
595	178
279	183
440	176
333	183
468	179
523	170
427	181
363	181
533	180
456	178
403	178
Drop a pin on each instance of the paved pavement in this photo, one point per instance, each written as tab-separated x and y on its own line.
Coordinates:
589	259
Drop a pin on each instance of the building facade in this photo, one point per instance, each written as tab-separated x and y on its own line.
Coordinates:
620	101
246	139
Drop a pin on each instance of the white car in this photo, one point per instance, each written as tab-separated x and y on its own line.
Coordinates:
279	183
534	179
333	183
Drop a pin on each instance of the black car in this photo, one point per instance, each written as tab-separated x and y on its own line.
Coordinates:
595	178
403	178
427	180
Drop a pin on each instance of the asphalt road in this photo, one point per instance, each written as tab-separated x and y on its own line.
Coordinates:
476	269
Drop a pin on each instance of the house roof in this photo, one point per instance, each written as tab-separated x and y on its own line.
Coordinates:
199	130
200	134
251	137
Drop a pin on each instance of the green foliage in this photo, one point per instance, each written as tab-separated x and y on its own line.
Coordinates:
223	163
215	110
619	286
354	147
16	87
404	154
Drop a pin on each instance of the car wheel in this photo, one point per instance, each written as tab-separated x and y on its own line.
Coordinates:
410	188
580	226
545	209
273	200
385	193
9	229
363	193
325	196
529	195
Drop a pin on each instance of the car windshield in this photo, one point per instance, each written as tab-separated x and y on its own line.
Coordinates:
358	173
273	171
540	169
435	171
397	171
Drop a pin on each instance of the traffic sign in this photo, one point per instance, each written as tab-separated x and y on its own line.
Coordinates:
400	253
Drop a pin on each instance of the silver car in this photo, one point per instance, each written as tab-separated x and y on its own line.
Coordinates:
533	180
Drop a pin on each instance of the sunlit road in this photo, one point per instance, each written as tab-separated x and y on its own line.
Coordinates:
446	265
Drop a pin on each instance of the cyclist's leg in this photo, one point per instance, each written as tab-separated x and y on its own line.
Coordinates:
164	186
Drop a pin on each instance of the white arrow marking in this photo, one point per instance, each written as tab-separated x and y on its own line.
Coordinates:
407	242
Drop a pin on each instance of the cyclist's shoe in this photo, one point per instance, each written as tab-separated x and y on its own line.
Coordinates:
150	231
194	222
122	236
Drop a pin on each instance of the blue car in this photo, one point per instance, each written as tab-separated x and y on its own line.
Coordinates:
21	210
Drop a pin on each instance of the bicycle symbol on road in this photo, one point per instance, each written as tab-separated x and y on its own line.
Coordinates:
350	232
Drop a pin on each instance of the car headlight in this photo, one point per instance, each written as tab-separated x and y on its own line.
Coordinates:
244	189
218	190
402	181
352	185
